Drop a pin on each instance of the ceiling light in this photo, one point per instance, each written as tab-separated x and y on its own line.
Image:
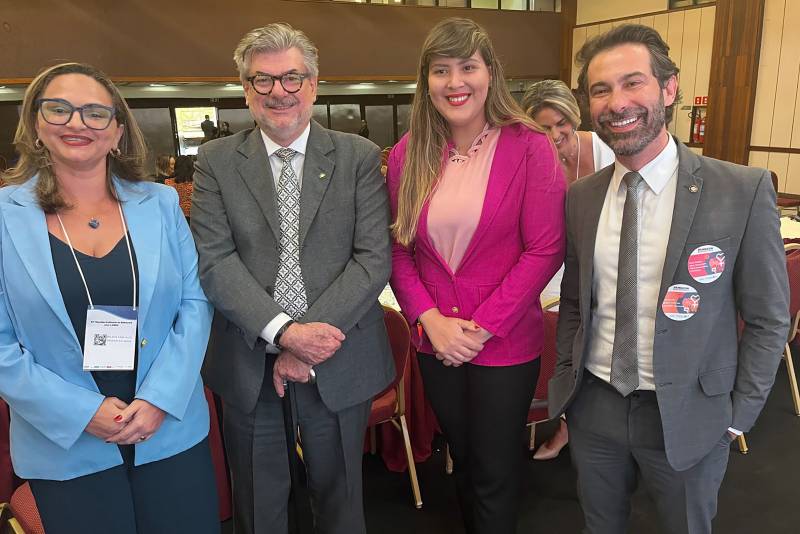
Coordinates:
157	85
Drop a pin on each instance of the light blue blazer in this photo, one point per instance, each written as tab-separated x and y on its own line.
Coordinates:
51	398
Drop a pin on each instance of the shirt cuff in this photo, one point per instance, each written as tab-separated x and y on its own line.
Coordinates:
734	431
269	332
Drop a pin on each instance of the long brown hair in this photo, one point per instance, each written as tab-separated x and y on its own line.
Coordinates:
429	132
34	158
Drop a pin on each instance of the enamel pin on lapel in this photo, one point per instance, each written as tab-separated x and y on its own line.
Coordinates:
693	188
322	176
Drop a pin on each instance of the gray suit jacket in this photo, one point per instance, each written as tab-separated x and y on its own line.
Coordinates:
708	377
345	258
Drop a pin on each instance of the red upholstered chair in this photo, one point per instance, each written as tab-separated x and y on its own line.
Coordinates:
538	410
23	507
793	268
218	459
783	201
390	406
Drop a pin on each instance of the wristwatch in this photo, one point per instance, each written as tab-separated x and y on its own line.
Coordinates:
277	339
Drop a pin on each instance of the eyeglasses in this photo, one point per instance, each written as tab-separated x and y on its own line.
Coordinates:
264	83
58	111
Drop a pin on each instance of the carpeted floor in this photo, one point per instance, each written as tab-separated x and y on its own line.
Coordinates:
759	494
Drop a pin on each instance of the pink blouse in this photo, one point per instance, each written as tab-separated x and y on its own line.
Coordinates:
457	202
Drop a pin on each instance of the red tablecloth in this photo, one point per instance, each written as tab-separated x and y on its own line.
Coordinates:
421	422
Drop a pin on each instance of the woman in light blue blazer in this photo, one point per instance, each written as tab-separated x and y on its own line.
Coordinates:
112	433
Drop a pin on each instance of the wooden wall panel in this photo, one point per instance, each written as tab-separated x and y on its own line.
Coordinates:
790	181
688	74
704	48
738	28
780	164
759	159
661	24
675	42
578	38
647	21
196	38
768	72
786	86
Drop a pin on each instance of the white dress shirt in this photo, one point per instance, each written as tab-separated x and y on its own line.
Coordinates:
656	202
276	163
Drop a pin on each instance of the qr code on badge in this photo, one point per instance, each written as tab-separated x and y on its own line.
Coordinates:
100	339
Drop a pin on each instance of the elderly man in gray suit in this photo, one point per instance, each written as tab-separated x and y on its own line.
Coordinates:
666	251
292	227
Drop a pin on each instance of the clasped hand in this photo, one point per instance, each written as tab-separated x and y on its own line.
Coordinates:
125	424
312	343
288	368
455	341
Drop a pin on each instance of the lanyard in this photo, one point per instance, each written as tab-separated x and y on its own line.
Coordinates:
80	271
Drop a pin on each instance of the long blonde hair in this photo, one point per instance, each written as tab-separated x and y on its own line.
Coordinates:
34	158
429	132
552	94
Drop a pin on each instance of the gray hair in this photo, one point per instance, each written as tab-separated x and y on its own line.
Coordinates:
275	37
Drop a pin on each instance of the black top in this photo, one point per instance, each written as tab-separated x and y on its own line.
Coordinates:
110	284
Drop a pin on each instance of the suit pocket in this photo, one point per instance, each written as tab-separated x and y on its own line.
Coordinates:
718	381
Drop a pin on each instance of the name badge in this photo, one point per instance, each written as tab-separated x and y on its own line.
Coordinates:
110	342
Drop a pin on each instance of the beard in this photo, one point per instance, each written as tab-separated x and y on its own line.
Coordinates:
630	143
302	117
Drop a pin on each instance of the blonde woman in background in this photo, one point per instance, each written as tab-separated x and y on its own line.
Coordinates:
551	104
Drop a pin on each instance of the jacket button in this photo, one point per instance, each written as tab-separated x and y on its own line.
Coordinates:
143	343
454	309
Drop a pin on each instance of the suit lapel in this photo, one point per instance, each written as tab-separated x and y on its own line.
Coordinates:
589	213
317	174
27	227
509	153
256	173
143	218
687	196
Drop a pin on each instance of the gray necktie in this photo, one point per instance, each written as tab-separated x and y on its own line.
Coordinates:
624	365
290	292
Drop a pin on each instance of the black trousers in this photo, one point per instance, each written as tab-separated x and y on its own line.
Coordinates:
176	495
483	411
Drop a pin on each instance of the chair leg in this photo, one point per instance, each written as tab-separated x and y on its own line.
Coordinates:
532	442
742	444
448	462
373	446
787	355
412	468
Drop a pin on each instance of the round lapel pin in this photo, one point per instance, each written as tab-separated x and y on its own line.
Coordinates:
693	188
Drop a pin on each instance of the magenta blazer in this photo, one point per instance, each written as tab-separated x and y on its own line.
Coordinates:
517	247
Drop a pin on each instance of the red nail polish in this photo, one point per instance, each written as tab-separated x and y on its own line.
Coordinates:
118	418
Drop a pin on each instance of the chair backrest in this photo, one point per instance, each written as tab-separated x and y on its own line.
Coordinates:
793	269
548	358
400	342
774	180
23	506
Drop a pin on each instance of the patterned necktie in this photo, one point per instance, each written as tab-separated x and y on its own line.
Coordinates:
624	365
290	292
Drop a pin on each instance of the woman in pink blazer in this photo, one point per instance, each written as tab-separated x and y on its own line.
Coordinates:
477	199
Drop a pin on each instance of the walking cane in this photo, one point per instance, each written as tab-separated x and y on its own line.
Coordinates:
299	501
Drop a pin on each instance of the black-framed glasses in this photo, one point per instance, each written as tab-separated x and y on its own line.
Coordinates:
58	111
264	83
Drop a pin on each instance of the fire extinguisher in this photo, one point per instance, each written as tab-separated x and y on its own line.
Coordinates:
698	123
702	133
